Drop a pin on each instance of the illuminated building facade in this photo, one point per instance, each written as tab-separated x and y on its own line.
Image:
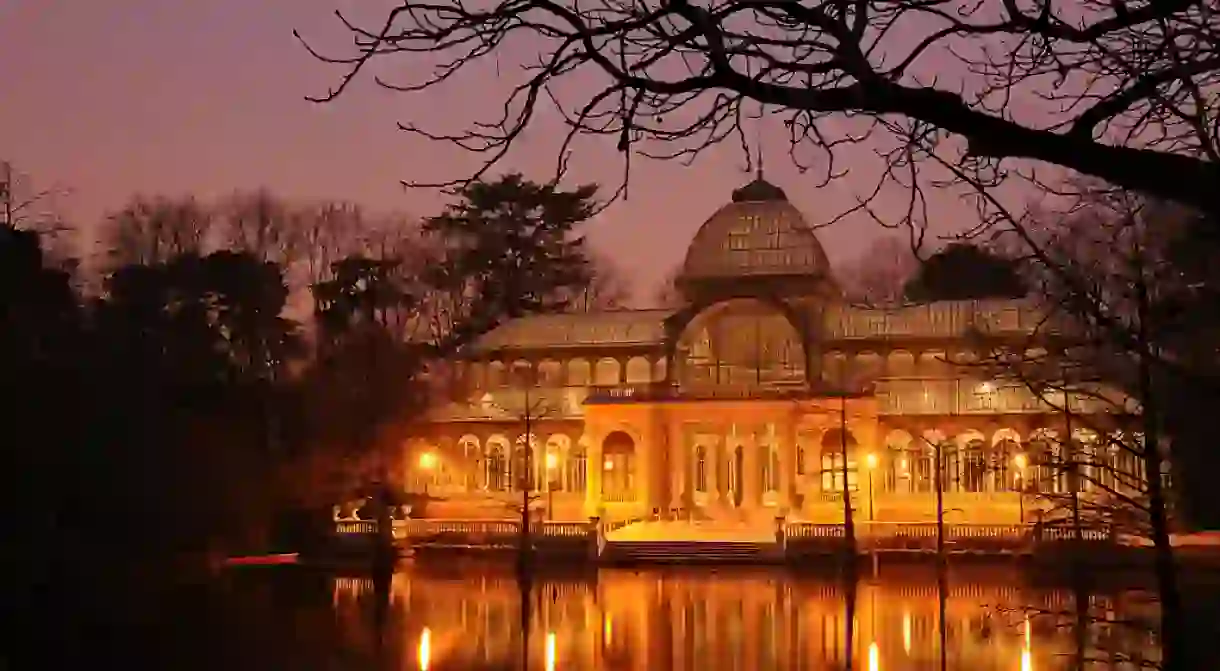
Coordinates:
764	395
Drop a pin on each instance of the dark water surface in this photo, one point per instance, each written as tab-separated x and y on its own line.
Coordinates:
463	617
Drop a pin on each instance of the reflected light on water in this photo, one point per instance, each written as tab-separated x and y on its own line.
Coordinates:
717	623
906	631
425	649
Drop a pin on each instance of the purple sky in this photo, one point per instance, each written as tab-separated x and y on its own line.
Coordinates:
123	96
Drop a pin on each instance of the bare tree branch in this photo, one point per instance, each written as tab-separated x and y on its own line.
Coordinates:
1124	91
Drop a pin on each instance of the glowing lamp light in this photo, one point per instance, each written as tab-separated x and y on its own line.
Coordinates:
986	387
906	631
871	460
427	461
1021	461
874	657
608	465
425	649
552	461
550	651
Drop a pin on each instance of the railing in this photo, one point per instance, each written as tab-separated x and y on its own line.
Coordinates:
1060	534
368	527
810	530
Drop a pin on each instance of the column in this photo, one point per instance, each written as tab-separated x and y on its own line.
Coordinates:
786	437
750	473
679	460
594	467
715	463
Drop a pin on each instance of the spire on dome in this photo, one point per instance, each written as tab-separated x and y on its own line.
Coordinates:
759	190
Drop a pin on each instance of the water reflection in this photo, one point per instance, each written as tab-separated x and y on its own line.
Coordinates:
700	621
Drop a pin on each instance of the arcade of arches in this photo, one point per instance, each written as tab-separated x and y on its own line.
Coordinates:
675	460
765	394
739	434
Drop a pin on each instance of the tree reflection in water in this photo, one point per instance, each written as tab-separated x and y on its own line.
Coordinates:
696	620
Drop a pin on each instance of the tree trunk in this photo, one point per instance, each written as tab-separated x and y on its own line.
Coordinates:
1173	640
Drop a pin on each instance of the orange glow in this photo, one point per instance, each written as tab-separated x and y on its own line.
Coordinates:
608	465
550	651
425	649
427	461
906	631
874	657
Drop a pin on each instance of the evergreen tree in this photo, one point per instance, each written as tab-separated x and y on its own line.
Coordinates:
511	248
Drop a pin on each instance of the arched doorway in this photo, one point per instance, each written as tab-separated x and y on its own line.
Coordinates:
618	467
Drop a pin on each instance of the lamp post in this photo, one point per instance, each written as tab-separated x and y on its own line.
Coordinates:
871	462
1021	462
552	462
427	462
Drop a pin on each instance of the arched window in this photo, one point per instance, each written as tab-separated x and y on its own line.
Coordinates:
700	469
529	466
472	461
618	467
1042	469
832	461
974	467
577	469
950	466
1006	473
495	475
554	462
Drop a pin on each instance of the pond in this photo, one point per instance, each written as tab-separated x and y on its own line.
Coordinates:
464	617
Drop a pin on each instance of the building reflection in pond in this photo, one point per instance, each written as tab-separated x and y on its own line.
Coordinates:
677	621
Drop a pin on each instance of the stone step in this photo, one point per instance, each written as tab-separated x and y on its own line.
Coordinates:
690	552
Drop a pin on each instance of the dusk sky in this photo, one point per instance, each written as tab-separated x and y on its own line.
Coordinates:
124	96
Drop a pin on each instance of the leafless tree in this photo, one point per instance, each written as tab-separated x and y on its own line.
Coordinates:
607	290
1123	91
328	232
25	205
155	230
880	275
668	295
262	225
1106	351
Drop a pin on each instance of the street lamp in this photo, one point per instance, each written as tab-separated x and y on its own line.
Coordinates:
871	461
1021	462
427	462
552	462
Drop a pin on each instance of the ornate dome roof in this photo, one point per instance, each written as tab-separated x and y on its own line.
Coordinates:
758	234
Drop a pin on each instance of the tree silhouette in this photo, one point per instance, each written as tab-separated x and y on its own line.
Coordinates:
1103	88
510	249
965	272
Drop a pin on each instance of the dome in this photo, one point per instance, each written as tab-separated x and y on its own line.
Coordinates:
758	234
